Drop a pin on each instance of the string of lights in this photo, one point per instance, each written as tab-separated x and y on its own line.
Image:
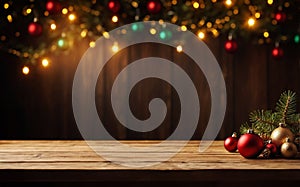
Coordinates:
32	29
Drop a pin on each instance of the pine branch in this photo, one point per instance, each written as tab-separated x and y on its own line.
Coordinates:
244	128
263	122
286	105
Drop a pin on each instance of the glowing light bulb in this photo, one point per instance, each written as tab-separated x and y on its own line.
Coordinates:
72	17
115	19
25	70
115	47
45	62
196	5
9	18
228	2
6	6
106	35
64	11
183	28
257	15
83	33
266	34
201	35
251	22
92	44
270	2
179	48
53	26
28	10
152	31
60	42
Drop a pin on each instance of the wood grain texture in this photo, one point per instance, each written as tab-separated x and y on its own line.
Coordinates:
71	161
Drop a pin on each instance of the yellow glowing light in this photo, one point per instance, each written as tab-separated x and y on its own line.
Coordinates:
201	35
28	10
196	5
9	18
106	35
208	24
213	1
270	2
25	70
115	47
286	4
72	17
6	6
64	11
92	44
53	26
134	4
183	28
83	33
45	62
257	15
235	11
46	13
152	31
266	34
233	25
179	48
115	19
251	22
215	32
228	2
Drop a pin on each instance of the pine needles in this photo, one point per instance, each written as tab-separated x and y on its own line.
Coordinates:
263	122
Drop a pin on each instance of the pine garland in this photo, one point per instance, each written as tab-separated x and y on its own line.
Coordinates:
263	122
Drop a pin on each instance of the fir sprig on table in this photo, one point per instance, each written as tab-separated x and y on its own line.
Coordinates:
263	122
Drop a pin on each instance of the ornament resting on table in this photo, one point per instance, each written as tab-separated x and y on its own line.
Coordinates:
288	149
280	134
230	143
272	147
250	145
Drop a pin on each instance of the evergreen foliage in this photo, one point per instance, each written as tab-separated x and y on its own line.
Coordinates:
263	122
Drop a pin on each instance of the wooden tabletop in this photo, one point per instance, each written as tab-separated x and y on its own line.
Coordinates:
76	161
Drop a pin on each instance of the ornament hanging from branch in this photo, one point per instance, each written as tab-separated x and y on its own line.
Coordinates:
230	45
154	6
114	5
35	29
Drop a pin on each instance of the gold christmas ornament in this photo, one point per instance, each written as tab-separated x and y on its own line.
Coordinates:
289	149
280	134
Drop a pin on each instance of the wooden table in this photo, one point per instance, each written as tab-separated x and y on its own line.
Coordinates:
74	163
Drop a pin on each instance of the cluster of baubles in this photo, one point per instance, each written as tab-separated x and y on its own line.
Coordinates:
282	143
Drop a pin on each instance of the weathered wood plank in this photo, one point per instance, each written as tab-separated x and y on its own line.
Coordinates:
78	155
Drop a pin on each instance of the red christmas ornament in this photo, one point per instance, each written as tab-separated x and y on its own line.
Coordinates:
53	6
35	29
230	143
250	145
280	16
277	52
272	148
114	5
231	46
154	6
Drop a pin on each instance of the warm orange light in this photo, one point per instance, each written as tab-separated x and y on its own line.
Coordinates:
25	70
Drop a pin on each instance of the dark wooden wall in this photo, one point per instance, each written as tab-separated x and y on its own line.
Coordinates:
39	106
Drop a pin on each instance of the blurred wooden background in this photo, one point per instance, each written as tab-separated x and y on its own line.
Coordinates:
39	106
